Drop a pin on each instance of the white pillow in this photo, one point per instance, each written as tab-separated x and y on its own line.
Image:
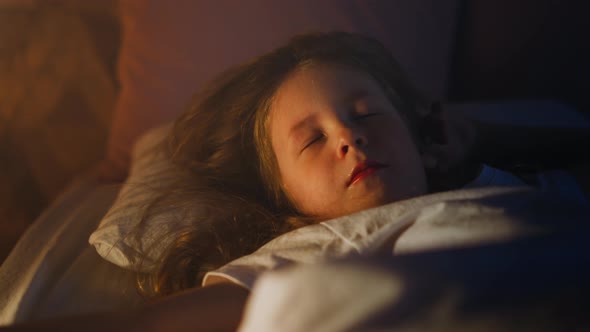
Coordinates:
122	237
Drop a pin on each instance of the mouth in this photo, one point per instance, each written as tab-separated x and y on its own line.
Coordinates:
363	170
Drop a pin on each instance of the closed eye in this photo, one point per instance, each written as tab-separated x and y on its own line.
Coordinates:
365	116
313	141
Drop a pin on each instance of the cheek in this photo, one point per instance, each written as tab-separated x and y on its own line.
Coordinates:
397	145
396	135
385	136
305	180
310	186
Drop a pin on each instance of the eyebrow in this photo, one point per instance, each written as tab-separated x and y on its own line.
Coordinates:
353	96
301	124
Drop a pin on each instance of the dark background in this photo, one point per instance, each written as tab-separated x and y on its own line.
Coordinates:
523	49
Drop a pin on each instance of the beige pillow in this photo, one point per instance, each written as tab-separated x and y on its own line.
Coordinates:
121	237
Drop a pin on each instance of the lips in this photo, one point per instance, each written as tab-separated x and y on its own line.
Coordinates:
364	169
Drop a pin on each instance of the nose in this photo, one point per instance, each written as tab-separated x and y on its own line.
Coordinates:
350	138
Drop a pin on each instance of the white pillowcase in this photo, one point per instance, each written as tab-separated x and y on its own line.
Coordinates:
122	237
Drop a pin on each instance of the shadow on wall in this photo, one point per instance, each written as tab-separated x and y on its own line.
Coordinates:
57	90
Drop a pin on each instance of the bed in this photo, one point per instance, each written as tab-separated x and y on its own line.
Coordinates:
53	270
499	278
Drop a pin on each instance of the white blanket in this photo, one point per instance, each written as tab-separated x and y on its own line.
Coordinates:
492	259
452	219
53	271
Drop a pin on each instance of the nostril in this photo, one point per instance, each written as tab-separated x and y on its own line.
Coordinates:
345	149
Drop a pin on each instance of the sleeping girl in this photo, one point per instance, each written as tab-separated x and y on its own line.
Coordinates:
323	127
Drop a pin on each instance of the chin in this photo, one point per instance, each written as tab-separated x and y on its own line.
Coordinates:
369	203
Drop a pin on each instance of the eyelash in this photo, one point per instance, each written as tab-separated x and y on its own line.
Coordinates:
312	142
364	116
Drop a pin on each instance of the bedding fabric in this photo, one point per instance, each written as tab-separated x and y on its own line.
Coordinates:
453	219
534	285
119	238
53	271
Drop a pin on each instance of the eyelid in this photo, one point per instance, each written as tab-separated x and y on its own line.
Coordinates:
367	115
313	141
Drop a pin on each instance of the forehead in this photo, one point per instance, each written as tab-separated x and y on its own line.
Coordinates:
310	88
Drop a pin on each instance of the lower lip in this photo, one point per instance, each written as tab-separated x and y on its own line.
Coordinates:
364	174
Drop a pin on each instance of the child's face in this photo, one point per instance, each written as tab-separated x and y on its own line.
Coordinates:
327	120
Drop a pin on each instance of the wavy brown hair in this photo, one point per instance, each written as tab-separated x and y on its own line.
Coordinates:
227	168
